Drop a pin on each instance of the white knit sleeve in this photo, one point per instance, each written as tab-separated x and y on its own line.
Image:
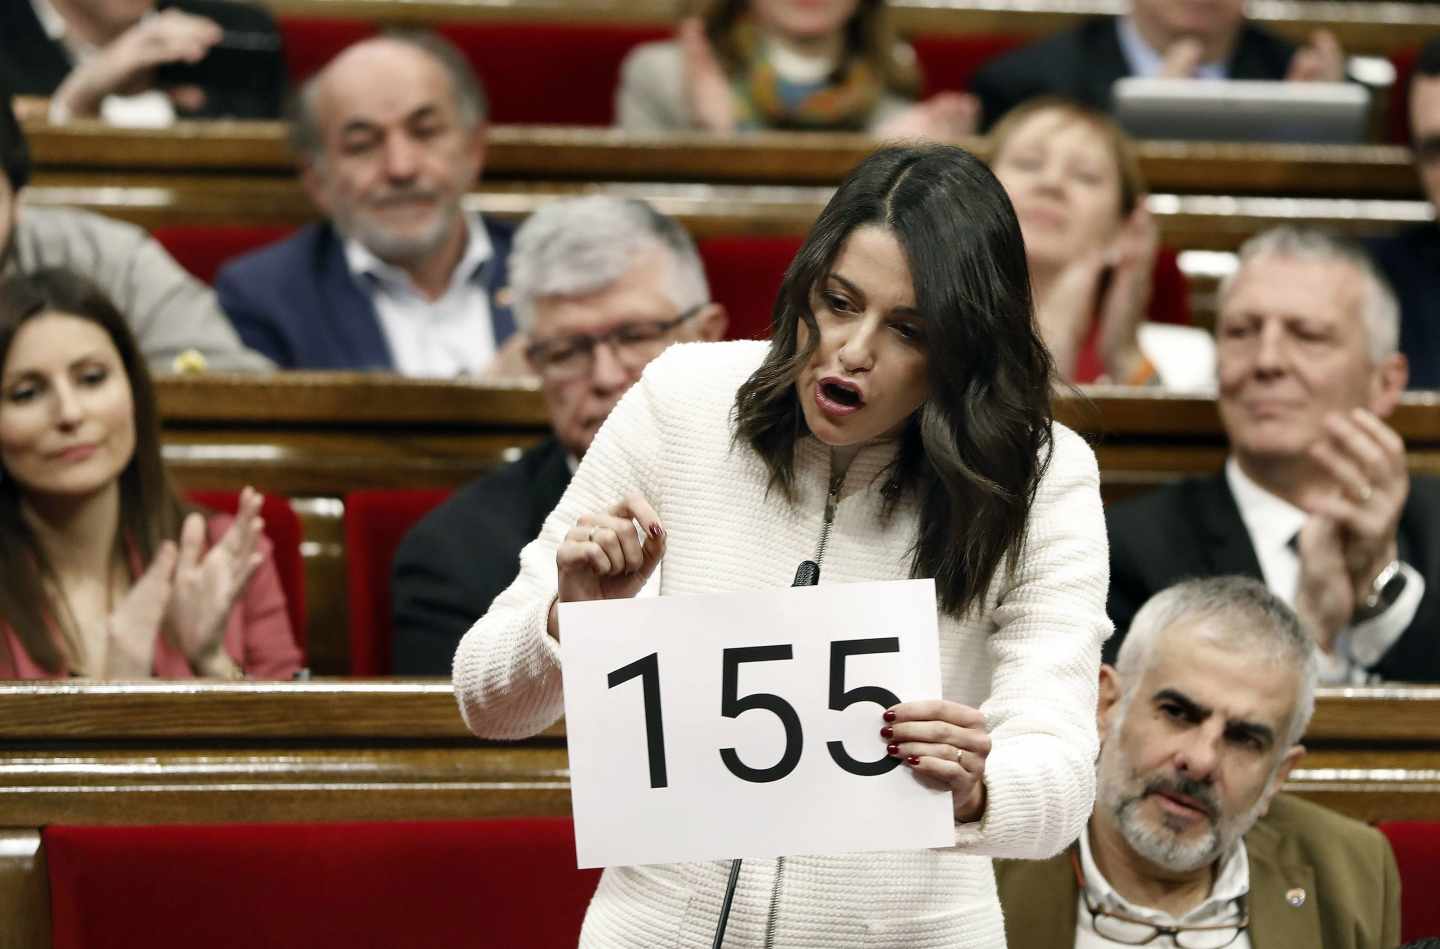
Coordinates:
1051	623
507	667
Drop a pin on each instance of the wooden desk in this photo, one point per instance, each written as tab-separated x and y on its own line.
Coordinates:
587	155
1376	28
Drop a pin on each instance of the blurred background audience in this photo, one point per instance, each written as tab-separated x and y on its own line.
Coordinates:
139	62
104	572
806	65
1202	39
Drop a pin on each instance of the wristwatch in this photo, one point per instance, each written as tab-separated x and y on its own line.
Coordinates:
1385	589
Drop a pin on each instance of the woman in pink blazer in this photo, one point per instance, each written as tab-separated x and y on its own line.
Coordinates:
104	572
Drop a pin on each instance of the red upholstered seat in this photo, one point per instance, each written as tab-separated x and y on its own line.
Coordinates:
1417	853
283	530
311	42
202	249
415	885
375	523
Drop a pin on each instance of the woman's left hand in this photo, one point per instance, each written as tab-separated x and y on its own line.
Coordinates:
944	742
206	586
1131	261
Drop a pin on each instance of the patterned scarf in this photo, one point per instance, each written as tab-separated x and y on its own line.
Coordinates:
843	102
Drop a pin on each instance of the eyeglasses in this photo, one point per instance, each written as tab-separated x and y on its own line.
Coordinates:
634	344
1131	931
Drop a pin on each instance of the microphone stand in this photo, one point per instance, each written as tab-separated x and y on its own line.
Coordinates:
806	575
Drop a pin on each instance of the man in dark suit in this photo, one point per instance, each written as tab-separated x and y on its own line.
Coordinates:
601	286
1411	258
1200	721
391	135
1174	38
1315	499
142	62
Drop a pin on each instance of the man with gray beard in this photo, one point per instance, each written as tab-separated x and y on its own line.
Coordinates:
390	136
1190	846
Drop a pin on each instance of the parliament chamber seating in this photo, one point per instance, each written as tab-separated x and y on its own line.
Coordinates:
418	885
375	524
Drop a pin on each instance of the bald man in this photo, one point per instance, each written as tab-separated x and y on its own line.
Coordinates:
390	135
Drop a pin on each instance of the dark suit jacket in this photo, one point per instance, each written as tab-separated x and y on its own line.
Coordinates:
31	64
464	553
297	302
1193	529
1083	63
1352	888
1411	261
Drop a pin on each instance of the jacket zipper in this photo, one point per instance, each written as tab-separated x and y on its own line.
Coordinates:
832	500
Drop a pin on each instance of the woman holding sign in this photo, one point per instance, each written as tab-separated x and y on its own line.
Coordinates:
897	425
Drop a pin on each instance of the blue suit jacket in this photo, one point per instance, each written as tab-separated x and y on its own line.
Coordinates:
297	302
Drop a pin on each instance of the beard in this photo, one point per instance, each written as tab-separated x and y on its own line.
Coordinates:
400	248
1161	841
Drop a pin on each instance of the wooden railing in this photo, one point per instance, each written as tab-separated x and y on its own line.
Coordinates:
558	154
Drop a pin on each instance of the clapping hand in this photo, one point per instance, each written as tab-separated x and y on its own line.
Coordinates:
124	66
1356	519
130	639
207	583
1131	262
943	742
604	556
944	117
1320	60
707	90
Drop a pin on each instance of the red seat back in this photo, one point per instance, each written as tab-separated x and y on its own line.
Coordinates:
745	273
283	530
375	523
299	886
948	61
203	249
1417	853
311	42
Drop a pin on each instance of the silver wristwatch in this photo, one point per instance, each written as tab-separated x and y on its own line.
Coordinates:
1385	589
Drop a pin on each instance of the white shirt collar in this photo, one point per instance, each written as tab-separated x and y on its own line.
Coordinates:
1231	883
478	251
1271	520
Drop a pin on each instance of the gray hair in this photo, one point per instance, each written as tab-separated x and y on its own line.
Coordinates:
1259	623
580	245
1378	305
306	138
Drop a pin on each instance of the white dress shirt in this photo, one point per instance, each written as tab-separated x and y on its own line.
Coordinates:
1271	522
1221	906
149	109
444	338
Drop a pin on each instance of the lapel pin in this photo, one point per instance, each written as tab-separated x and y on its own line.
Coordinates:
1295	897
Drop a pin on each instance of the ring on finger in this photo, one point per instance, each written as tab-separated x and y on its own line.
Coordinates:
590	538
960	757
1367	492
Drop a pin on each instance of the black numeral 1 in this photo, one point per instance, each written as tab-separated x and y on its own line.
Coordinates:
648	669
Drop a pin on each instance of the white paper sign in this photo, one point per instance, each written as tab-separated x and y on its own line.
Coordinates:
748	724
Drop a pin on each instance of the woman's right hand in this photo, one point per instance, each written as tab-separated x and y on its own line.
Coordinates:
124	65
604	557
136	619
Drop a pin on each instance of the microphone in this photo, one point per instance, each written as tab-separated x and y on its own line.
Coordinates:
806	575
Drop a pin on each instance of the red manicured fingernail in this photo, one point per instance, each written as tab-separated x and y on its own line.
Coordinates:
912	760
889	716
656	531
887	732
892	750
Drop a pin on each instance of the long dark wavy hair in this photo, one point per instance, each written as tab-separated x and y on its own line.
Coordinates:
150	509
869	35
974	453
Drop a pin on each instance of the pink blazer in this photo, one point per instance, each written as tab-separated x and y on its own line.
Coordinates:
257	635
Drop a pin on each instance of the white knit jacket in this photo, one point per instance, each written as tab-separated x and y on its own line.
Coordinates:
1028	659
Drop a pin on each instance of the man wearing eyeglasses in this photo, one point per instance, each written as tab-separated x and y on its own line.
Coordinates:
1189	845
600	286
1411	258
